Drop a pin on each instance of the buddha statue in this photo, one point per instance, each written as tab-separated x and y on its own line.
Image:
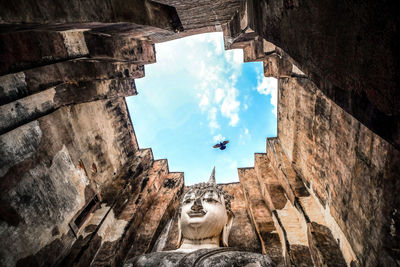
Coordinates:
205	219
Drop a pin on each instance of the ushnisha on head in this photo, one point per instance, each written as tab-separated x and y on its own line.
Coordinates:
205	217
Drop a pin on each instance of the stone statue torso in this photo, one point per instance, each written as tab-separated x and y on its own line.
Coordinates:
217	257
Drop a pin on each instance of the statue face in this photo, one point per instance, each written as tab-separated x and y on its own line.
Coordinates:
203	214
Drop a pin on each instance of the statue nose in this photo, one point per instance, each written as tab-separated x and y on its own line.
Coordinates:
197	205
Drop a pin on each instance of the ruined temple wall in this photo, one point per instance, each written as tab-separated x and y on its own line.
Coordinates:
348	49
203	13
52	168
76	188
336	173
69	158
243	233
350	170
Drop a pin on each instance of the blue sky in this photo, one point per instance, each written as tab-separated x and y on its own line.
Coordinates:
196	95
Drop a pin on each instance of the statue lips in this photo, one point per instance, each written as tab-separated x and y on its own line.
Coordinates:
199	213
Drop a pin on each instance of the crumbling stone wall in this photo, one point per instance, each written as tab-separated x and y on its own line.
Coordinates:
52	167
348	49
350	170
335	172
74	184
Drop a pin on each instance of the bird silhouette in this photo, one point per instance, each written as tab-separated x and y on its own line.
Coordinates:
221	145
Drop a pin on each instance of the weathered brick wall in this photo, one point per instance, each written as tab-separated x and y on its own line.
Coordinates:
352	171
74	183
52	167
348	49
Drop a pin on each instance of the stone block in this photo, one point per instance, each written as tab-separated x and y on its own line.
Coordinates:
309	34
18	85
336	159
37	105
74	14
277	66
47	178
26	49
271	189
146	234
120	47
289	221
290	180
243	234
324	249
260	215
254	51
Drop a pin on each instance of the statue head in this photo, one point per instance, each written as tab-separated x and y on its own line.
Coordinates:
205	213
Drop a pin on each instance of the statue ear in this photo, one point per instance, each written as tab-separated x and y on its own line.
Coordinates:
227	230
179	243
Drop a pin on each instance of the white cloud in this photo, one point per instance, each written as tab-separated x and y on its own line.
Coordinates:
214	125
212	118
214	70
234	119
215	75
234	77
238	56
269	86
228	55
219	138
230	106
234	56
244	136
204	102
219	95
217	42
212	113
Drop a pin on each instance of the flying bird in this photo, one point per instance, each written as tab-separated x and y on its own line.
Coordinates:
221	145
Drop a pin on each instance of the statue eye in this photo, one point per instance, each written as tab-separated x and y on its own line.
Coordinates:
187	201
209	199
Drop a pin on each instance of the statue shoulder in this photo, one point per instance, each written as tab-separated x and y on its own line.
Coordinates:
203	257
232	257
165	258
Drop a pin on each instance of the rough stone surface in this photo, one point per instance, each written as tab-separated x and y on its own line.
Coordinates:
290	222
345	165
77	13
261	216
365	35
120	47
290	180
243	233
271	189
145	234
139	232
46	177
168	238
324	249
18	85
27	49
203	257
34	106
203	13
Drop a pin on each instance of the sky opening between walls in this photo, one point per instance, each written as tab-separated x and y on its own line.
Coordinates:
198	94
